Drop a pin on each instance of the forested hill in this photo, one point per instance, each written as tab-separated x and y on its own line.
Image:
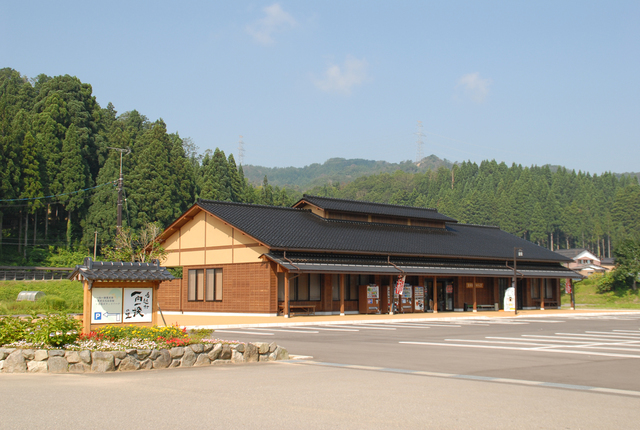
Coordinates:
335	171
59	172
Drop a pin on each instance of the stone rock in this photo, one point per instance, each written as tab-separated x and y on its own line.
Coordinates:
272	347
226	352
281	353
56	352
85	356
130	351
237	357
175	363
58	365
15	363
146	364
28	354
116	362
72	357
154	354
207	346
162	360
189	358
1	365
3	354
143	353
37	366
122	354
264	357
176	352
79	368
250	353
215	353
129	363
238	347
41	355
198	348
203	360
102	362
263	347
222	362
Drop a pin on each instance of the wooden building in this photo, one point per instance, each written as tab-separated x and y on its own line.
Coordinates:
322	256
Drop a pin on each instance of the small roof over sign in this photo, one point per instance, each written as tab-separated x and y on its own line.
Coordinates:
117	271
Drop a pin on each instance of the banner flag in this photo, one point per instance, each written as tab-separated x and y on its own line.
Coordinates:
400	285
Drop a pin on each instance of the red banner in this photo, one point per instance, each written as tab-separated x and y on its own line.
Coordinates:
567	286
400	285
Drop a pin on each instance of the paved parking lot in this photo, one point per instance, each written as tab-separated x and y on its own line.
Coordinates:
586	352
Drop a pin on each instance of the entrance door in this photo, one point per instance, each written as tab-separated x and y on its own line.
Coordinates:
445	295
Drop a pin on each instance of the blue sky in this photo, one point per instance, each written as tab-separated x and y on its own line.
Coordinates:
303	81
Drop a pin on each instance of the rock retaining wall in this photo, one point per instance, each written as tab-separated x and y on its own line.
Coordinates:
13	360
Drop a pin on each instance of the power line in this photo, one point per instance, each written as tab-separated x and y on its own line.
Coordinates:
58	195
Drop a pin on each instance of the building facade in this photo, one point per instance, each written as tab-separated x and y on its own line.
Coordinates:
335	256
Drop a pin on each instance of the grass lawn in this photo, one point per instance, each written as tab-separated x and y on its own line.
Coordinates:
588	297
60	296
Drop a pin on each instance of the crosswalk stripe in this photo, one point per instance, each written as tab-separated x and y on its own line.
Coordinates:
244	332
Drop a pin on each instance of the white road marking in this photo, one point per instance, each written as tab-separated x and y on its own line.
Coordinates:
284	330
245	332
556	351
373	327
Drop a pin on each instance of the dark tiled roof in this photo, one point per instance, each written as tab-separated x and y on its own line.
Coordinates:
110	271
572	252
300	230
355	206
341	263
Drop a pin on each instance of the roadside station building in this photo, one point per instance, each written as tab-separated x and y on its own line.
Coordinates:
334	256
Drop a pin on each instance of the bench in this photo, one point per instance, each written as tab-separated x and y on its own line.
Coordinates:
301	309
469	307
547	303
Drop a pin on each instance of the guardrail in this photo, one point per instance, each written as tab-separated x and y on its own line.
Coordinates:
31	273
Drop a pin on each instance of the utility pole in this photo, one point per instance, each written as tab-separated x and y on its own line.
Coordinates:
120	185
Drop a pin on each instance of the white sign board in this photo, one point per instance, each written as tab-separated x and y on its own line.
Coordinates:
137	305
106	305
509	300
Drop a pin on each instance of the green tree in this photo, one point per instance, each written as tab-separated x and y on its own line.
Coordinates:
628	260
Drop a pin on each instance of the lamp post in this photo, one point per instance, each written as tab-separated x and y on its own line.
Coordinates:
517	252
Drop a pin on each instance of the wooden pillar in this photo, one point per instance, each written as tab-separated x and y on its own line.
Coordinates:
496	292
342	294
543	292
435	294
154	304
475	304
327	293
86	303
286	295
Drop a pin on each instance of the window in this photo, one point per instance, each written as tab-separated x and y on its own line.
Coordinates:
535	288
548	289
351	283
281	287
305	288
335	287
204	284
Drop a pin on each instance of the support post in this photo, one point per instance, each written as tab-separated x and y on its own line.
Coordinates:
342	286
543	292
435	294
286	295
475	303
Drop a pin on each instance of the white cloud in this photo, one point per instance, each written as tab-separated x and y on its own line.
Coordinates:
342	78
275	20
474	86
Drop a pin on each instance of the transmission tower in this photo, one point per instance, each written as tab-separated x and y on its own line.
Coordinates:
240	151
419	143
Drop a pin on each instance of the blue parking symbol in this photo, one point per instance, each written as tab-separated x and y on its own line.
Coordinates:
97	315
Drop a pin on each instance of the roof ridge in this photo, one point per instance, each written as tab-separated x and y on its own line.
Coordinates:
368	223
253	205
371	203
474	225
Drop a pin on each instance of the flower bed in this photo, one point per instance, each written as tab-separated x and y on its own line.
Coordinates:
53	344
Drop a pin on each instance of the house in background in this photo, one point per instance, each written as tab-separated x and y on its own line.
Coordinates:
584	262
335	256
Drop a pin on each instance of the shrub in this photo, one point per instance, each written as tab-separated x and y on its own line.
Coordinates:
54	329
611	281
112	332
13	329
54	303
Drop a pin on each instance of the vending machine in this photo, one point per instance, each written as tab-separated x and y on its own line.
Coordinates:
418	299
407	299
369	299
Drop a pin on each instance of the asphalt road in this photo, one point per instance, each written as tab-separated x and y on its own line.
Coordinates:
601	351
367	379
